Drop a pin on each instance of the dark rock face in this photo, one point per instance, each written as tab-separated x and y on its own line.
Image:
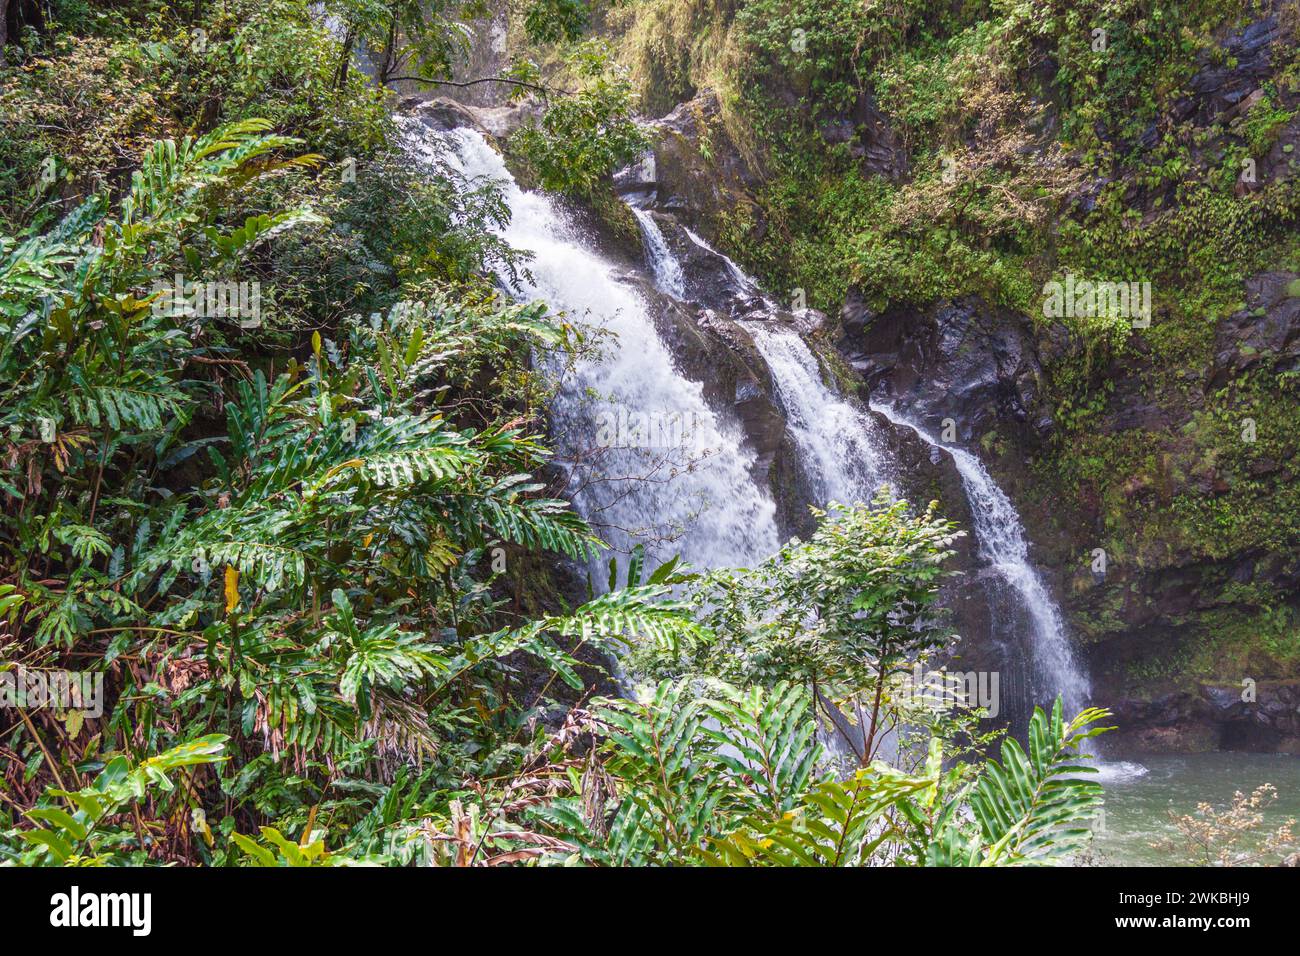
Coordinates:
1265	334
1222	94
961	360
494	122
1219	90
870	138
1250	716
719	354
1132	405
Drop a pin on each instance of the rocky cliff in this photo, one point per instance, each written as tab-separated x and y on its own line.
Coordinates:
1153	462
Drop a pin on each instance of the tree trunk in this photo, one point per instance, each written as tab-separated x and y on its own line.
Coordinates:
854	737
16	14
346	59
869	744
388	63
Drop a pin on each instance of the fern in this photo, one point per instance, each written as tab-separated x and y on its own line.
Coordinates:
1034	807
78	835
838	824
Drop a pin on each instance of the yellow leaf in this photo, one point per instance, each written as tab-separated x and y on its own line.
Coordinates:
199	822
350	463
232	588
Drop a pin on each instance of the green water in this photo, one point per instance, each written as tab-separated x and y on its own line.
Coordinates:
1137	807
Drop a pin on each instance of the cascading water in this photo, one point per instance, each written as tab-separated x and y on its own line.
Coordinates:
696	493
647	460
839	449
838	443
1002	543
667	270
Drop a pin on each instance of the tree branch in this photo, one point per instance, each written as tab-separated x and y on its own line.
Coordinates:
544	90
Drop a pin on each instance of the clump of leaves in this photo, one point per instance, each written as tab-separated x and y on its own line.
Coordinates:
584	136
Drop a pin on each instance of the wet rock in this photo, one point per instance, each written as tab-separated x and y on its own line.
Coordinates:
639	177
495	122
1265	334
809	321
700	173
1262	717
709	278
720	355
961	360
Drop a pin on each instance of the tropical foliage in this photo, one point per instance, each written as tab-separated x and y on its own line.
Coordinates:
273	469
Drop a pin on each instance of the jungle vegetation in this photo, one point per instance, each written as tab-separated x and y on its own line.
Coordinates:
340	613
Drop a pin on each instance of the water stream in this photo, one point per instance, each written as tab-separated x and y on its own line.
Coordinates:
647	460
844	460
840	450
1002	544
668	273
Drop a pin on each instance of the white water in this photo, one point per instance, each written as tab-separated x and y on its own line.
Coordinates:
697	497
745	283
667	270
1002	543
701	500
840	450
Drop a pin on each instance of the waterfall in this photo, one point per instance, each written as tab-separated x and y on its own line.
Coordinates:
839	448
688	487
646	459
667	270
1002	543
738	275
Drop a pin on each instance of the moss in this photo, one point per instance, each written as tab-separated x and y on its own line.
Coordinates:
1226	646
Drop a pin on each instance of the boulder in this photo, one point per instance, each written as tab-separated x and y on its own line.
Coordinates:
495	122
701	175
